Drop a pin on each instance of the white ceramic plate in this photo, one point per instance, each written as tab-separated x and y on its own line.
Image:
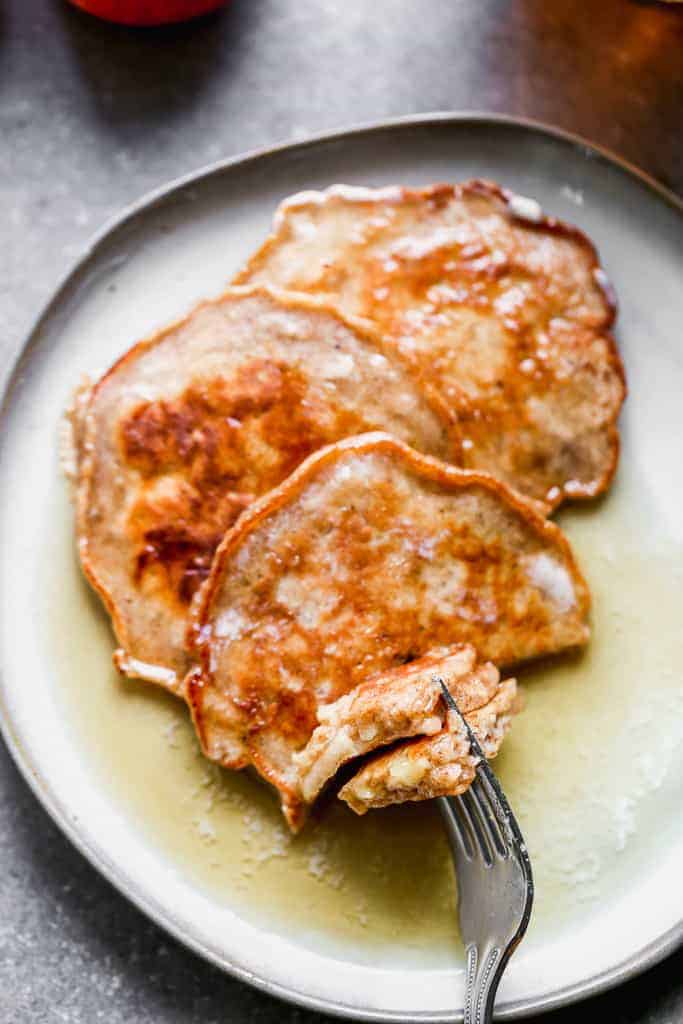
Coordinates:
594	766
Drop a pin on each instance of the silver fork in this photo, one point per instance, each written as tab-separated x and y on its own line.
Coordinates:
495	885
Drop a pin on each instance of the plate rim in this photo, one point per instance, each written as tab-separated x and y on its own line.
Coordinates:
10	374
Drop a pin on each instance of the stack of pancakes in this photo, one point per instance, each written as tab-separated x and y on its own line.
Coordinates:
322	492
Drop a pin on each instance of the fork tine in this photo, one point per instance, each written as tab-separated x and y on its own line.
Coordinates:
487	812
507	822
447	696
471	815
457	828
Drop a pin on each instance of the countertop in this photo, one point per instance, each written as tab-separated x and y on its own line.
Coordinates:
91	117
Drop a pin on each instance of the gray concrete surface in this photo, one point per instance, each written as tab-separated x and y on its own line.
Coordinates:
91	117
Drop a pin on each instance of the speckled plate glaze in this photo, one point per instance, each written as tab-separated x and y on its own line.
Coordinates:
184	242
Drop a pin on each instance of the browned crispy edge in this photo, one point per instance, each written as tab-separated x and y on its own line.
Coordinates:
552	225
425	466
86	464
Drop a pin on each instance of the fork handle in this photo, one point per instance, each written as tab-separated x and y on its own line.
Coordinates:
483	975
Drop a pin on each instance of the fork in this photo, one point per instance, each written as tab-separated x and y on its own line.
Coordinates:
495	884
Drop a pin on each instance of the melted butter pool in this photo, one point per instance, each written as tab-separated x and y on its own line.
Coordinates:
584	768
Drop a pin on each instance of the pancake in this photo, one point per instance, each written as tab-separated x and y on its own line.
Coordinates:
184	431
505	312
434	766
368	557
393	705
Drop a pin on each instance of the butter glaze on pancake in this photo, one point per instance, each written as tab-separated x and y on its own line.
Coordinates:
178	438
505	312
368	557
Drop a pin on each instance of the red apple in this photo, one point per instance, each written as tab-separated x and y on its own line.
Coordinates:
147	12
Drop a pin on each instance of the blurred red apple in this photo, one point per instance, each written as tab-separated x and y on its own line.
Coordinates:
148	12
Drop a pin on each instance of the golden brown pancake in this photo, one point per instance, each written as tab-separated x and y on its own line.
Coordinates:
184	431
369	556
393	705
505	312
434	766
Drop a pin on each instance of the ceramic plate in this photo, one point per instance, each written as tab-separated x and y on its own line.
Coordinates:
357	917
